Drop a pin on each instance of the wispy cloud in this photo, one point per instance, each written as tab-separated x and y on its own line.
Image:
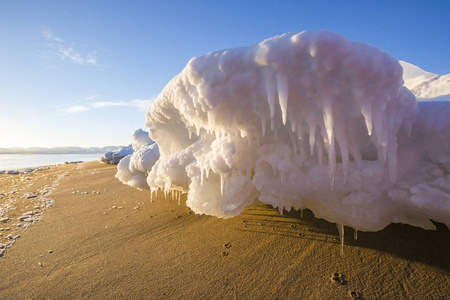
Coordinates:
75	109
89	98
140	104
63	50
49	36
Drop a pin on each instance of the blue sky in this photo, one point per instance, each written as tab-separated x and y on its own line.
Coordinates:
82	73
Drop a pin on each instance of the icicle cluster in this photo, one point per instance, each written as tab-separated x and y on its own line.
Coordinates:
308	120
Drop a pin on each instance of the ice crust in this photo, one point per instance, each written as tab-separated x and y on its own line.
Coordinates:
307	120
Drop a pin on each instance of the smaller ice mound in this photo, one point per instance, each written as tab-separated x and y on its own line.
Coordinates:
133	169
140	140
113	157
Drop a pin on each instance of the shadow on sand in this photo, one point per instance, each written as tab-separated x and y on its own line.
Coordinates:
430	247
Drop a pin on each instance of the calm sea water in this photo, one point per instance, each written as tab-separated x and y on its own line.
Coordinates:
19	161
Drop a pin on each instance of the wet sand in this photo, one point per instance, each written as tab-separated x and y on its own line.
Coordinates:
101	239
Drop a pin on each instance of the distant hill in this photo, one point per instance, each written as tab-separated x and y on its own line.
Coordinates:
57	150
426	86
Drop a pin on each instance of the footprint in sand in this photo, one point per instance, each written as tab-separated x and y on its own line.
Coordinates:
353	294
338	278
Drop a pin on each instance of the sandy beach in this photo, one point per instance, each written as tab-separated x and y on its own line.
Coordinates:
95	238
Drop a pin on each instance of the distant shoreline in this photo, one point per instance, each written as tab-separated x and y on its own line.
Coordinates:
58	150
51	153
27	161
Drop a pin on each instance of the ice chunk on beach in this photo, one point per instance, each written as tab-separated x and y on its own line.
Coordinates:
140	140
301	120
133	168
113	157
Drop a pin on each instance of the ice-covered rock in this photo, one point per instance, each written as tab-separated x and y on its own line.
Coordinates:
140	140
113	157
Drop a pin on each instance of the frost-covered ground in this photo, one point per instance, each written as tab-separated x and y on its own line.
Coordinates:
308	120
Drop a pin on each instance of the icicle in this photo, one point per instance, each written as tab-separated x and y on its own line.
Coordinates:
379	130
331	162
355	235
280	209
328	120
221	184
173	195
263	123
320	153
342	140
197	129
340	228
354	150
270	90
294	142
312	138
366	110
179	197
282	86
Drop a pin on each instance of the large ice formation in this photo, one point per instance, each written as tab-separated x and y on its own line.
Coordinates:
308	120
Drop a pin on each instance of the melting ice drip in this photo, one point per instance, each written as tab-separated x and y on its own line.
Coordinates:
308	120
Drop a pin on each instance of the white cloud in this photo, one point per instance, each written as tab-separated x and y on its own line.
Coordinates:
140	104
89	98
62	50
75	109
49	35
